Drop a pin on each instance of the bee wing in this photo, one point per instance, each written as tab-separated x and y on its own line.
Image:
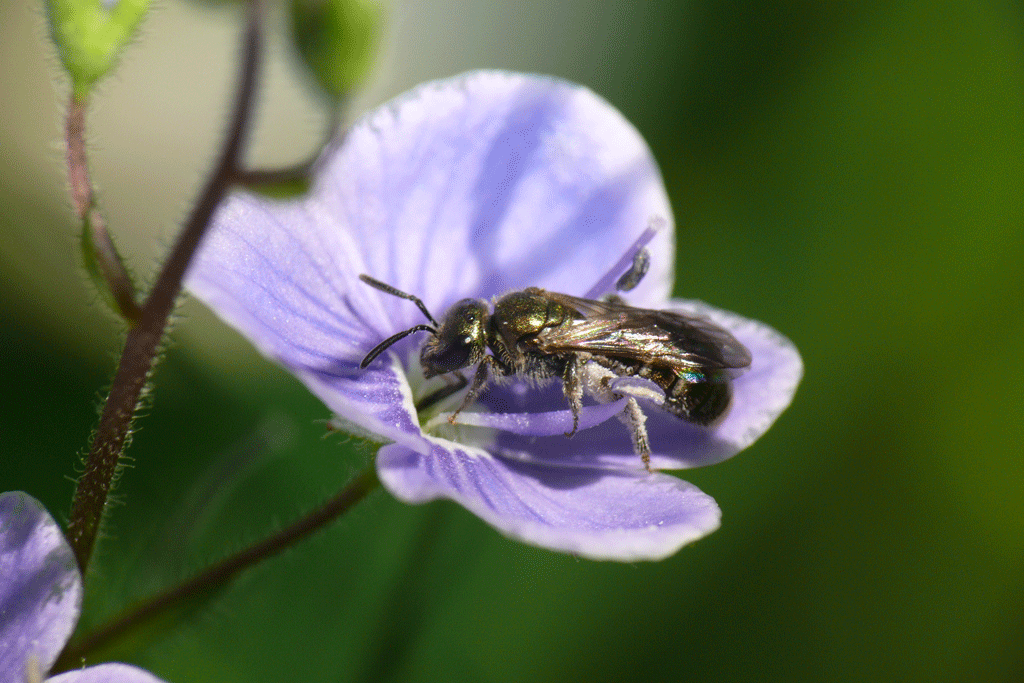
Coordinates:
650	336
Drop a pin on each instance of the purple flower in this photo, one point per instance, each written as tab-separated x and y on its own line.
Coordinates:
472	187
40	599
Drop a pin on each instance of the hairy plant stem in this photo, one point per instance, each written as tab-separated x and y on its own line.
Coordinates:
334	135
93	224
143	340
219	574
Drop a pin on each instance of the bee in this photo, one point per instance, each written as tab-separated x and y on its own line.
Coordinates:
540	335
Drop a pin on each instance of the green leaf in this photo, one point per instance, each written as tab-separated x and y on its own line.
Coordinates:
105	268
337	40
289	188
89	35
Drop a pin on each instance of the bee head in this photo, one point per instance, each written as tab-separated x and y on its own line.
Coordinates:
460	340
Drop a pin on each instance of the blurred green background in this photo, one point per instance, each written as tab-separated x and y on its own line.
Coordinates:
850	173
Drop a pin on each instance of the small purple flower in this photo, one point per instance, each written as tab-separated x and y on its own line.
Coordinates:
472	187
40	599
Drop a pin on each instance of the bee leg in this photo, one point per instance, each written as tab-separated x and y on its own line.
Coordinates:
450	387
573	388
479	382
633	417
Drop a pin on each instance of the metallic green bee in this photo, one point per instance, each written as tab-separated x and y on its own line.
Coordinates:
587	344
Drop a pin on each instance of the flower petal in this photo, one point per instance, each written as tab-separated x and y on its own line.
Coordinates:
106	673
762	392
546	423
492	181
465	187
598	514
472	187
40	587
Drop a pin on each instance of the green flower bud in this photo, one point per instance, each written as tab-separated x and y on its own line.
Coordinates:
89	35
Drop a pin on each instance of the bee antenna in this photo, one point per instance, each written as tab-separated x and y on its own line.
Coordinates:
402	295
379	348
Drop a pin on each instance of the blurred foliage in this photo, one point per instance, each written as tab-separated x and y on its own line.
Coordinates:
849	173
337	40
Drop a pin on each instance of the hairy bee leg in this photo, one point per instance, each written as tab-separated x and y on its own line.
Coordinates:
573	388
444	392
633	417
479	382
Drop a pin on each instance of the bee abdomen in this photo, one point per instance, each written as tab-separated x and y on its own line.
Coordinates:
700	398
692	395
